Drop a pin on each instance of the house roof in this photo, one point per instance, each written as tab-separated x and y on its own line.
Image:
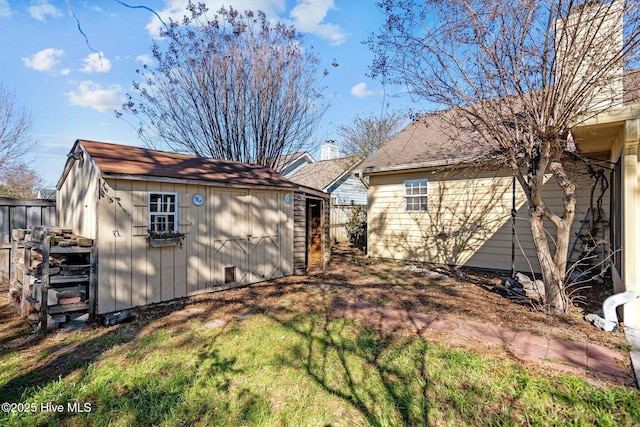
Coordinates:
428	141
47	194
122	161
283	162
431	140
324	173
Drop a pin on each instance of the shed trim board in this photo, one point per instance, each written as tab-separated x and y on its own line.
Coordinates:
244	232
188	181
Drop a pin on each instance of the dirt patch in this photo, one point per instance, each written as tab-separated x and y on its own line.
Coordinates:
351	277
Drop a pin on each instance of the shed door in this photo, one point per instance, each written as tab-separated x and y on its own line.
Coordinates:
264	249
247	242
314	234
229	238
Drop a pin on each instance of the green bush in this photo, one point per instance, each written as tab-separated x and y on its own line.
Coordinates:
356	227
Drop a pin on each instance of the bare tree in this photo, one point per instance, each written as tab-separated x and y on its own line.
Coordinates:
365	134
19	181
519	75
232	87
15	128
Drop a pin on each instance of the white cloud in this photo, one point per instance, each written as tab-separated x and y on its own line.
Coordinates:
308	16
146	59
96	63
92	95
5	9
360	91
41	12
177	9
45	60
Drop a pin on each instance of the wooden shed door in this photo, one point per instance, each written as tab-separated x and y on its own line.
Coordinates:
264	250
229	238
314	235
247	248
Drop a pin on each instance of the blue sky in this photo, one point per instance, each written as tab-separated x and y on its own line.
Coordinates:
72	91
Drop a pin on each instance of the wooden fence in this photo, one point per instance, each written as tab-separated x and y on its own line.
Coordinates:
339	217
20	213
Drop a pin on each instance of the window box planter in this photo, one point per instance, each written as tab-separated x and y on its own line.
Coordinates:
161	240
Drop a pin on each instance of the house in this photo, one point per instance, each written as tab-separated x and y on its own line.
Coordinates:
169	225
291	163
333	175
428	203
46	194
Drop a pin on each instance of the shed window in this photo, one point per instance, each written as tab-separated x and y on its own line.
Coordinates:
416	195
163	212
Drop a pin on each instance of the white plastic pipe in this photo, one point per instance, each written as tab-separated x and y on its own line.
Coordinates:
609	305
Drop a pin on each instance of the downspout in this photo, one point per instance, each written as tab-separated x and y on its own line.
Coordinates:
361	177
513	226
610	304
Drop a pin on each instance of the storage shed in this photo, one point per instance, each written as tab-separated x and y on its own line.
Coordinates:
169	225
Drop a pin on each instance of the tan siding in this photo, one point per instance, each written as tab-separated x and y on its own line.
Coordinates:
123	257
286	227
197	248
76	201
180	287
167	260
252	230
107	291
229	237
139	262
468	221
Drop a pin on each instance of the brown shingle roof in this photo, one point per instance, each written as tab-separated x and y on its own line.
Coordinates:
123	160
322	174
429	140
432	140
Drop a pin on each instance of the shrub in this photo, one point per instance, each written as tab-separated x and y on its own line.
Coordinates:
356	227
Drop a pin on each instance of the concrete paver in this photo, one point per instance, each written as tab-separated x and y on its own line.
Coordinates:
559	354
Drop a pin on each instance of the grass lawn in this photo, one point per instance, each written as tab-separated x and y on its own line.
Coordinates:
286	367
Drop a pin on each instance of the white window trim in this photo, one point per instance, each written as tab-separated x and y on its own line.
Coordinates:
415	196
175	214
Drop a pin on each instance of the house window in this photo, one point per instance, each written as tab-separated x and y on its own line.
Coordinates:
163	212
416	195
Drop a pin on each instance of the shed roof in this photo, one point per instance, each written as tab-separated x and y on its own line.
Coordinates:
124	161
323	173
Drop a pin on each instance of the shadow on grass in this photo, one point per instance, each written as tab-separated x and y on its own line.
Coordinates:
52	360
353	365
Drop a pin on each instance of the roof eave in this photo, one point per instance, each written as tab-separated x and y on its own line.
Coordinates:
286	186
449	163
351	170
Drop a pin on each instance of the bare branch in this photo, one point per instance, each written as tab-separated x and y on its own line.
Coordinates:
519	75
232	87
15	128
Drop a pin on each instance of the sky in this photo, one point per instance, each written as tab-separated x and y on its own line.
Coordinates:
71	63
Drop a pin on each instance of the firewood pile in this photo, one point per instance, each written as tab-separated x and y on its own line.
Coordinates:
62	237
68	269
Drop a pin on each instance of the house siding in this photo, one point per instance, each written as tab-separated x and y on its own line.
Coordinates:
468	222
350	191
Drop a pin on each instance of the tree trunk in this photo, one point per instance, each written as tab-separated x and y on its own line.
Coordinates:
552	273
